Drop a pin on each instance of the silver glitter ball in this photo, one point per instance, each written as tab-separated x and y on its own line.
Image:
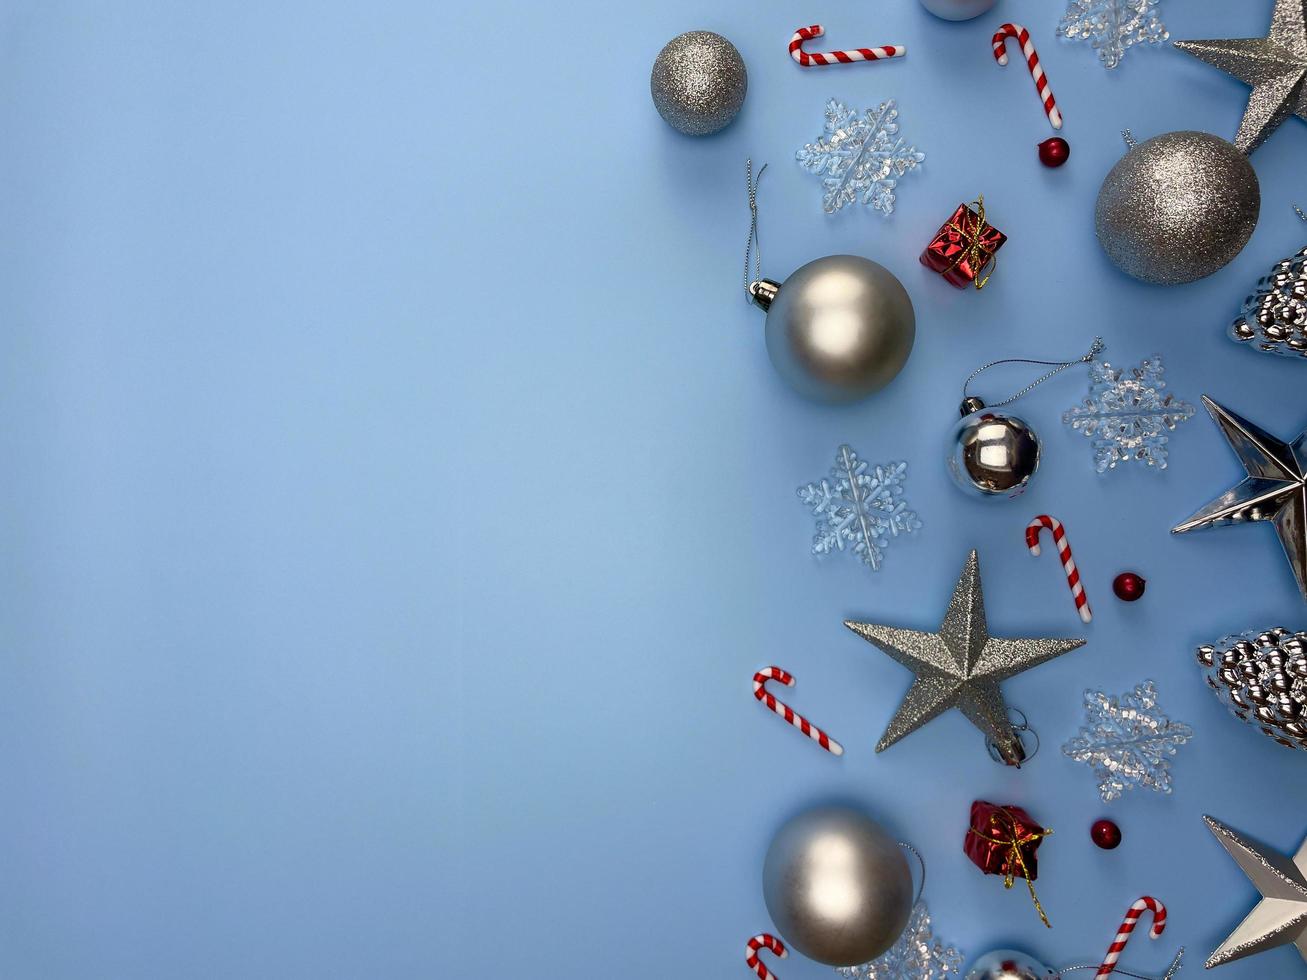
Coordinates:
698	82
1261	676
1010	964
992	454
837	887
1177	207
958	9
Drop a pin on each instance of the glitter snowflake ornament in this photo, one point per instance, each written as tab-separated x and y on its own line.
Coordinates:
860	159
1128	414
1127	741
859	508
915	955
1113	26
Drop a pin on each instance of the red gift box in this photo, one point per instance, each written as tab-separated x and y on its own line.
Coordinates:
964	247
1002	840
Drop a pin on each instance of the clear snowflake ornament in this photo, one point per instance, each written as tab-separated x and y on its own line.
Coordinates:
1127	741
1128	414
859	508
1113	26
915	955
860	158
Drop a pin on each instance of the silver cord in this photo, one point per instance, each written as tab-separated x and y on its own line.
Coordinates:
754	244
1058	366
1171	970
1129	138
1300	214
921	861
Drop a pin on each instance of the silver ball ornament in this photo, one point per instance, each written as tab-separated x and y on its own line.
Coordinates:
992	454
840	328
1010	964
837	887
1177	207
958	9
698	82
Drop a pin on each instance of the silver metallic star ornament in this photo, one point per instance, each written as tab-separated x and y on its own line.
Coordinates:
1275	489
1275	66
1280	918
960	667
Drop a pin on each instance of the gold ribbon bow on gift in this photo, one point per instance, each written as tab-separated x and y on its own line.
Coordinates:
974	252
1014	841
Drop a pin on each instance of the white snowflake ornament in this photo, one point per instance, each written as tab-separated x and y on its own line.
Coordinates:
1113	26
860	159
859	508
1128	414
1127	741
915	955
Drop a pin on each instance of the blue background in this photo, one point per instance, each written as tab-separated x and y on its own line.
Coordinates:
398	497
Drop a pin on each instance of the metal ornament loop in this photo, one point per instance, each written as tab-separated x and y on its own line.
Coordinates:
1023	732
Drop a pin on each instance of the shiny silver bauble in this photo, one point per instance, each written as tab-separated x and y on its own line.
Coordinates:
1010	964
838	888
840	328
958	9
990	453
1177	207
698	82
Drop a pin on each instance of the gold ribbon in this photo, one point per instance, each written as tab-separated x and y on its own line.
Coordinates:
1014	843
975	253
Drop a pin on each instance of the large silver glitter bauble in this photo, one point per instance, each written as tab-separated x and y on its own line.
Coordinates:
837	887
1177	207
1261	675
992	454
840	328
958	9
1010	964
698	82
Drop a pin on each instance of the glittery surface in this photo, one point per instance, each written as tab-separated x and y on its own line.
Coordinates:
960	666
1275	66
698	82
1281	916
1261	676
1274	316
1177	207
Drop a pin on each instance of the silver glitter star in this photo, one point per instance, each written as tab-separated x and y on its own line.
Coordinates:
960	667
1280	917
1275	66
1275	489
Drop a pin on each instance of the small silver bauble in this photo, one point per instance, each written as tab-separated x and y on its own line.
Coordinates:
840	328
837	887
1010	964
1177	207
958	9
990	453
698	82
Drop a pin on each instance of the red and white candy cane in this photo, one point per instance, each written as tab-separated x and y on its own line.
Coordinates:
837	57
763	940
1032	62
1128	926
1063	552
760	692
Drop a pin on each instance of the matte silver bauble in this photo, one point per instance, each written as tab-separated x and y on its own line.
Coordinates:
698	82
837	887
990	453
1177	207
840	328
958	9
1010	964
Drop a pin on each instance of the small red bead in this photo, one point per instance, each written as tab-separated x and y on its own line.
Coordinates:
1054	151
1106	834
1128	586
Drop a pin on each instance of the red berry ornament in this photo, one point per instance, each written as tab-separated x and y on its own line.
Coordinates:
1128	586
1054	151
1106	834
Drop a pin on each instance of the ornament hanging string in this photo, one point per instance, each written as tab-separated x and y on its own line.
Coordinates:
754	245
1058	367
1014	842
921	887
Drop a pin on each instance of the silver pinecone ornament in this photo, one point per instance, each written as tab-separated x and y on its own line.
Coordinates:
1262	678
1274	316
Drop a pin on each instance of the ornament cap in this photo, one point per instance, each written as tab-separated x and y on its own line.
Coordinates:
969	405
763	292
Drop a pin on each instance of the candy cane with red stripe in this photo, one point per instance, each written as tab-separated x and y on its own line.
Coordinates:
1063	552
1032	62
767	940
1128	926
837	57
760	692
